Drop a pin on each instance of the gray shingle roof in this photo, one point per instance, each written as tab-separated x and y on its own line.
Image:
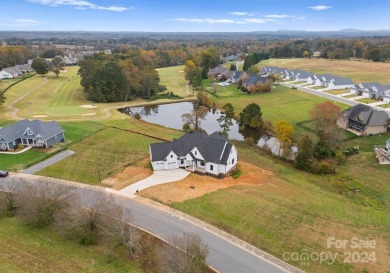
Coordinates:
211	147
46	129
367	115
342	81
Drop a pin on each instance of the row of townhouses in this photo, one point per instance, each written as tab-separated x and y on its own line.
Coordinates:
373	90
15	71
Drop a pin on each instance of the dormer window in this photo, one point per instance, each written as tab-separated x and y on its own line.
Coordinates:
196	153
171	156
29	132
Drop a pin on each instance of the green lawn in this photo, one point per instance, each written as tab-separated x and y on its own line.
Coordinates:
280	103
31	250
367	100
6	82
100	155
295	210
173	79
337	91
387	105
74	131
350	96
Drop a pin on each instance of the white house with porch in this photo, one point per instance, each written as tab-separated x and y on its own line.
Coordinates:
195	152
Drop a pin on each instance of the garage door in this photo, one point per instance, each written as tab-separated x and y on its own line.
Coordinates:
158	166
172	165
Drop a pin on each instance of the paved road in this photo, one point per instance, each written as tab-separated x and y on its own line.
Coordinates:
328	96
227	254
48	162
157	178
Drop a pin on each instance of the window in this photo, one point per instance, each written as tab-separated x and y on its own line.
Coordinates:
233	161
211	167
196	153
171	156
202	164
182	161
29	132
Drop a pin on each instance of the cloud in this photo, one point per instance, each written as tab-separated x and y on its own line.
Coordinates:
278	16
319	7
256	20
21	22
241	13
79	4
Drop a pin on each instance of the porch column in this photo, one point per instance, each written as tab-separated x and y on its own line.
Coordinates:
193	167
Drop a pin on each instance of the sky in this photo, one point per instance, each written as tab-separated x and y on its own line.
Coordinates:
193	15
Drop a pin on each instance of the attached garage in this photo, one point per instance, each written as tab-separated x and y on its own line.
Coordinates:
172	165
158	166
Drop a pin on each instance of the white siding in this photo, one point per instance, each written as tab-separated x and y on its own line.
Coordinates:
232	160
197	154
215	169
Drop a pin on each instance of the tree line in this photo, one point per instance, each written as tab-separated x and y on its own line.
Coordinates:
113	78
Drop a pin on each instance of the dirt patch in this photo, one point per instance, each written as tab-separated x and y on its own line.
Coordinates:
40	116
89	114
198	185
88	106
129	176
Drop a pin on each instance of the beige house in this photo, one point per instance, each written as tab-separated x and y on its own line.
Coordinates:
363	120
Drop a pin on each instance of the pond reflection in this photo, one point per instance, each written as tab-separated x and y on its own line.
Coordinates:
169	115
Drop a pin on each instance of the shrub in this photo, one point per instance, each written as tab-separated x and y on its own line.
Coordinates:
137	116
341	159
323	167
351	151
322	150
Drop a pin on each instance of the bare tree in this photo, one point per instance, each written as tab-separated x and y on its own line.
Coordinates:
121	232
195	117
9	193
186	254
85	220
43	201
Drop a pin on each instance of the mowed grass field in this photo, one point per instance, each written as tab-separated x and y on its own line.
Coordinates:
358	71
280	103
173	78
296	211
31	250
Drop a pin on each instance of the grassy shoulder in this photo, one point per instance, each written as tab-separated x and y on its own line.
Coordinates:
31	250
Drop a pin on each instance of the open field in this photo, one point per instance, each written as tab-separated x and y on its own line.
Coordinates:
6	82
337	91
173	79
362	71
31	250
280	103
293	211
101	155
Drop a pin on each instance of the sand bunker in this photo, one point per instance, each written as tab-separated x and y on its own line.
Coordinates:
88	106
40	116
181	71
89	114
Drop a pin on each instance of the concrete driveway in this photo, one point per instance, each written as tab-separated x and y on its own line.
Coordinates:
157	178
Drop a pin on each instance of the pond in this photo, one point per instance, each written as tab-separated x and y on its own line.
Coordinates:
169	115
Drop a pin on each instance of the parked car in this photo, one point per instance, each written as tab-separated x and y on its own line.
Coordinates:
3	173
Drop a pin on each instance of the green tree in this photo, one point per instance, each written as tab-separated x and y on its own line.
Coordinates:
2	98
226	118
303	161
374	55
251	116
40	66
233	67
209	59
193	74
57	65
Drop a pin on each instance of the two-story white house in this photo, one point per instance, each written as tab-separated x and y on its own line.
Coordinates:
195	152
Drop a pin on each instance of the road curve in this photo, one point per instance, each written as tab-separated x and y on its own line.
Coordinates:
227	253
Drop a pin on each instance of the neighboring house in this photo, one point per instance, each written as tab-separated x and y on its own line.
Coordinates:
215	72
12	71
237	75
323	79
5	75
316	54
230	58
364	120
252	79
339	83
379	91
225	75
363	89
24	68
303	76
386	97
31	132
311	79
68	61
388	144
196	151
